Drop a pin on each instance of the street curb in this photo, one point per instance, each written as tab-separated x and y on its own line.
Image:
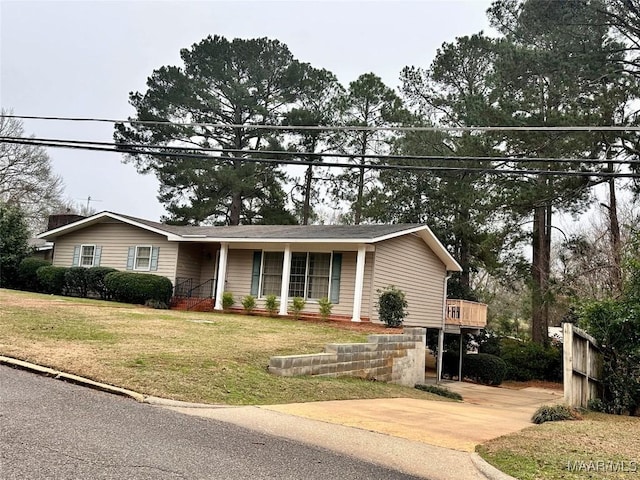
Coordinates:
489	471
68	377
165	402
104	387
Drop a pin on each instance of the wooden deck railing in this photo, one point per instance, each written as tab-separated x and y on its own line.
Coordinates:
466	314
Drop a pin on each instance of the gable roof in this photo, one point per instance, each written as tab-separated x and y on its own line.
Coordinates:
367	234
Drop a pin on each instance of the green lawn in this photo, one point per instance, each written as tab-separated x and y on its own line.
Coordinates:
198	357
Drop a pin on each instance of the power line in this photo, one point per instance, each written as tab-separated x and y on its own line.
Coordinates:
276	161
140	149
356	128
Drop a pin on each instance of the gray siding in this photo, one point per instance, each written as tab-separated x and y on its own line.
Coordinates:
239	269
115	238
348	285
189	262
208	270
409	264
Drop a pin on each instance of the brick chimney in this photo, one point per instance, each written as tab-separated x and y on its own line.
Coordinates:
62	219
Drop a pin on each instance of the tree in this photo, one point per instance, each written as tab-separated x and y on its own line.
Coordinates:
14	247
27	180
465	209
368	103
624	18
317	105
222	83
615	324
587	266
550	71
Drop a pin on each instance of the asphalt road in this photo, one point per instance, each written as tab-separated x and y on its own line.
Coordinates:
50	429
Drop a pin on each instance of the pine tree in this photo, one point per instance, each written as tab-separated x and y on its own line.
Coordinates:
222	82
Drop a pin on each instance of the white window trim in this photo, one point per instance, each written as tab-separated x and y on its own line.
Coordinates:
306	275
135	258
93	257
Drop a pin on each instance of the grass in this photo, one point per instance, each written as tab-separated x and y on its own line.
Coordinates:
198	357
599	446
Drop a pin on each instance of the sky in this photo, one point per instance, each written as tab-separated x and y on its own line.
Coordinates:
82	58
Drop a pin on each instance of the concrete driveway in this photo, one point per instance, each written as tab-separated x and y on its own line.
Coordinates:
485	413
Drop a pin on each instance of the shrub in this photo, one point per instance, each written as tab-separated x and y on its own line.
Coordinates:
391	306
52	279
128	287
95	281
297	305
484	368
489	342
531	361
27	273
76	281
615	324
271	304
325	306
249	303
443	392
554	413
227	300
596	405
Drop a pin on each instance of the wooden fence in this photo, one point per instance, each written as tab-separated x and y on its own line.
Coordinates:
582	366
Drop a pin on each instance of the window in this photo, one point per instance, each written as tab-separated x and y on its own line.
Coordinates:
271	273
143	258
309	277
312	276
87	255
318	275
298	275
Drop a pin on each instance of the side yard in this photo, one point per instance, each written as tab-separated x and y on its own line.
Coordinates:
600	446
198	357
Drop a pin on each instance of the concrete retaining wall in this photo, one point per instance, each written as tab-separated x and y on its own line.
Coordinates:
395	358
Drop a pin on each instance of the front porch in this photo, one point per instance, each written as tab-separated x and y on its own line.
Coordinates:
193	296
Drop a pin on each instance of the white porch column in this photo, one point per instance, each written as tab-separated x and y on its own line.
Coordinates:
357	294
222	274
286	271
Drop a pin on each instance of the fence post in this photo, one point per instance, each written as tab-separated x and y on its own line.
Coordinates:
567	357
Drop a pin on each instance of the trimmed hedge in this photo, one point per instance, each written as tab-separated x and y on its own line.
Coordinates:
28	273
95	281
52	279
76	280
481	367
484	368
530	361
128	287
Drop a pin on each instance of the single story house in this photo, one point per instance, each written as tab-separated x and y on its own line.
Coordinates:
345	263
